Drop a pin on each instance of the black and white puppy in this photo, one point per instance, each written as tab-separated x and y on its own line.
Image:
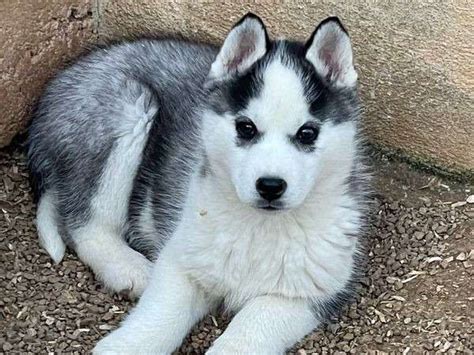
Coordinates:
238	171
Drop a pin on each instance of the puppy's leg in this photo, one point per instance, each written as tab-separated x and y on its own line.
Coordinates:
266	325
100	243
117	265
167	310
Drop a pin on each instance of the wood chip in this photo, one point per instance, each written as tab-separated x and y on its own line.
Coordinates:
399	298
380	315
105	327
433	259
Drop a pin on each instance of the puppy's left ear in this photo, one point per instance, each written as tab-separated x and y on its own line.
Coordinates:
246	43
329	50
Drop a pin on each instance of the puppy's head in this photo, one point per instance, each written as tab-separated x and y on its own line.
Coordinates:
281	117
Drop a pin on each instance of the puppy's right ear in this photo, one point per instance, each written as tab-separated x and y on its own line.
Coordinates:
246	43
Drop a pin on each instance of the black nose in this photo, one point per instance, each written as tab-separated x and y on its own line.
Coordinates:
271	188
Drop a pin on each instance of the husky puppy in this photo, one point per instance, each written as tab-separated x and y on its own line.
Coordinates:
238	171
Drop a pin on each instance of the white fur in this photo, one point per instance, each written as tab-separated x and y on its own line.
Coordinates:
47	228
331	54
99	243
270	267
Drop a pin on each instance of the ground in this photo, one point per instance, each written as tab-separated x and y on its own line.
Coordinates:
417	295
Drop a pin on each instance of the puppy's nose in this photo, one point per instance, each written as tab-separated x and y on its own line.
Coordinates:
271	188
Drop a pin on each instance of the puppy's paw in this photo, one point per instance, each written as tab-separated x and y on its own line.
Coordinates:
109	346
127	275
115	344
125	341
239	348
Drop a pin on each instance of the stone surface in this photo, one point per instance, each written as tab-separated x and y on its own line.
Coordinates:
36	39
415	59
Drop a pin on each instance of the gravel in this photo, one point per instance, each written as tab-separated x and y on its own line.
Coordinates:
416	296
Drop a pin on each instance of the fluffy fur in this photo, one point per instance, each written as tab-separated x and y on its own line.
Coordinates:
135	151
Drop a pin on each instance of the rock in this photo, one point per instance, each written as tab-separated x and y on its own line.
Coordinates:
419	235
38	38
348	336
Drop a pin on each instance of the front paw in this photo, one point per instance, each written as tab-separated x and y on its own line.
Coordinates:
127	274
240	348
112	345
121	343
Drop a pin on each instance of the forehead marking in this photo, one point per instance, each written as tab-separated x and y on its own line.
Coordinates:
282	101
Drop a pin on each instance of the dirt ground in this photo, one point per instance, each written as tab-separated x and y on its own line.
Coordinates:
417	295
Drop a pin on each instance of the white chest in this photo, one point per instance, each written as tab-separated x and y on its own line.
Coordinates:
240	257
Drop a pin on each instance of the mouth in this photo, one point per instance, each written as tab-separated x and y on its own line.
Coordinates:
272	206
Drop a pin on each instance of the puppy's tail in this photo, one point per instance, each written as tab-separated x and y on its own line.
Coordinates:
49	236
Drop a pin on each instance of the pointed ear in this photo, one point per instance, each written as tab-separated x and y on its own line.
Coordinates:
329	50
245	44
